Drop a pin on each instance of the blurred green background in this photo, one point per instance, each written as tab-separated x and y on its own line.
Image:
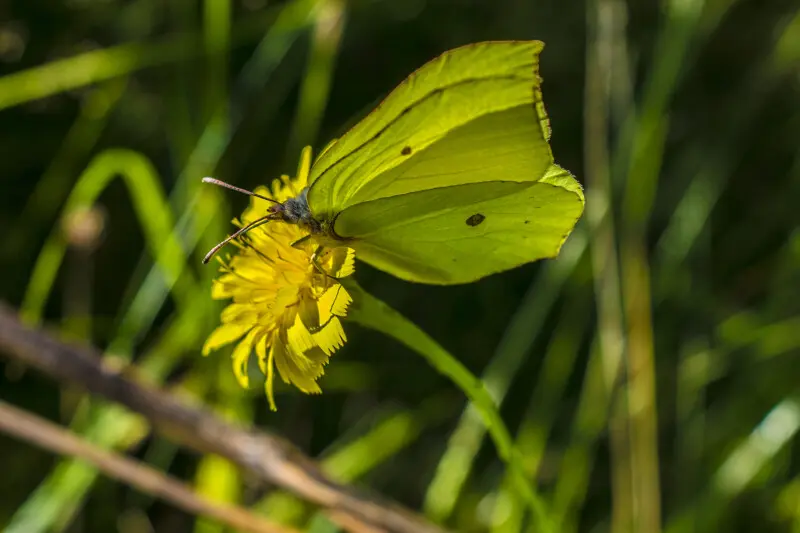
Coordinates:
650	375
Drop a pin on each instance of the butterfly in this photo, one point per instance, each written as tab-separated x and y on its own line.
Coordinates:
449	179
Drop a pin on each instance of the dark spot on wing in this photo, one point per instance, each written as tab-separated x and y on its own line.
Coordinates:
527	221
475	219
406	150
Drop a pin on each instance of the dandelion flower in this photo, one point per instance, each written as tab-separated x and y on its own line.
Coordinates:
284	307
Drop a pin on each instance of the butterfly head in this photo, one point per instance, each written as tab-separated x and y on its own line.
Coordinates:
292	211
295	211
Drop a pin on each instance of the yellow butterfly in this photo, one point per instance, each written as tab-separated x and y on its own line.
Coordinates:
449	179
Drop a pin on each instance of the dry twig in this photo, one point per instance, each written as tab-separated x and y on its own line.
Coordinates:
45	434
267	456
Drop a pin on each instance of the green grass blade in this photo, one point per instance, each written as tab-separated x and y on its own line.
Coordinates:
85	69
606	34
641	173
462	447
62	492
200	207
742	467
392	433
693	212
54	184
372	313
325	40
217	42
52	506
151	207
588	426
352	458
543	410
100	65
44	509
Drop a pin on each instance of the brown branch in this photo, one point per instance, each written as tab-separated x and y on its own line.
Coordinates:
267	456
45	434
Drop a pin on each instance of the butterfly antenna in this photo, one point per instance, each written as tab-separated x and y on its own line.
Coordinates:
220	183
211	253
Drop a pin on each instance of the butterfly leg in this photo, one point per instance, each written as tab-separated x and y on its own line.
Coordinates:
301	240
315	262
323	325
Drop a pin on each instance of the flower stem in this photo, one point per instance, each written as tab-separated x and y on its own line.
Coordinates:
370	312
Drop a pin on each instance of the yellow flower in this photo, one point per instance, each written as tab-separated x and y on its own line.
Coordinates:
283	306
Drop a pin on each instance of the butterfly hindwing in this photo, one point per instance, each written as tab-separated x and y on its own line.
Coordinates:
462	233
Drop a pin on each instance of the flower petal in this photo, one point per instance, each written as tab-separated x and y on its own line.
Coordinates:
303	168
225	334
270	382
261	352
347	265
281	306
331	337
319	357
341	302
333	302
298	337
301	377
309	314
241	356
237	313
220	290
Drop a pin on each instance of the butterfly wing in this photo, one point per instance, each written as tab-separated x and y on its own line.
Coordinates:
474	114
462	233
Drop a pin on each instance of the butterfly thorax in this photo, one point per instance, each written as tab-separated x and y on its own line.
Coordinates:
296	211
